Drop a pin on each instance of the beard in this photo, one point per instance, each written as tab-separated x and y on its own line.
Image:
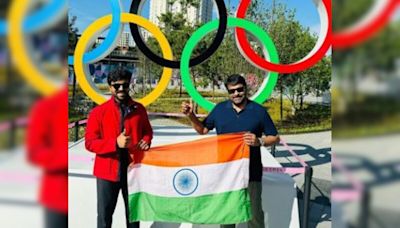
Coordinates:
121	95
238	100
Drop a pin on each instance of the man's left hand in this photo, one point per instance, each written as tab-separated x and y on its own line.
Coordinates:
143	145
251	139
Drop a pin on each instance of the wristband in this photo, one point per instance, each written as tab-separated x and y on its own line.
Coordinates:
261	141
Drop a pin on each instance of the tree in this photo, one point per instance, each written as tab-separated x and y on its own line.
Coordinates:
369	55
293	42
177	30
375	56
72	34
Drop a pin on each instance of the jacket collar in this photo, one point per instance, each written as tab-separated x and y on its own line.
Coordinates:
249	104
117	112
130	103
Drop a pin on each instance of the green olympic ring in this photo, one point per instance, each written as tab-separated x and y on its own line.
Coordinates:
270	80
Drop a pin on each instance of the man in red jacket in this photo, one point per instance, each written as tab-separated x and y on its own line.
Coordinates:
47	145
115	130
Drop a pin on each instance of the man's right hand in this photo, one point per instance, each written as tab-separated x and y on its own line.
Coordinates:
187	108
123	141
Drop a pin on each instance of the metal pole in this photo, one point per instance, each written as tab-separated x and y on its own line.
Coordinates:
76	131
307	192
13	129
364	213
273	150
73	89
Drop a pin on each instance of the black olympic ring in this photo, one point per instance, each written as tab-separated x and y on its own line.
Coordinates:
223	21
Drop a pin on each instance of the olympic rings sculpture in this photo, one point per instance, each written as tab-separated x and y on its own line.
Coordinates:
15	38
100	24
40	19
19	24
269	50
111	39
319	51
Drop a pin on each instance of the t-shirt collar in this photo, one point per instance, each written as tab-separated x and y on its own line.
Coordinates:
249	104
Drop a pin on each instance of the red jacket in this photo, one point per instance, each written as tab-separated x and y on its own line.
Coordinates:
47	147
103	128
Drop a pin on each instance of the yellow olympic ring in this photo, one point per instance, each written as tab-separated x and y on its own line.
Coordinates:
24	65
100	24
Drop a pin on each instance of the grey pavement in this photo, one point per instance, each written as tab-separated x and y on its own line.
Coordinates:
157	121
375	163
19	185
315	150
279	189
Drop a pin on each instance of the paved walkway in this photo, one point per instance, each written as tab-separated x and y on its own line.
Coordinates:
375	162
279	192
314	148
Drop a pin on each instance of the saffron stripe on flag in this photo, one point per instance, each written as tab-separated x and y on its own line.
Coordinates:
211	150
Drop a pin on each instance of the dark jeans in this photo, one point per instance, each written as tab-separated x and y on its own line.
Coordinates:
257	219
55	219
107	196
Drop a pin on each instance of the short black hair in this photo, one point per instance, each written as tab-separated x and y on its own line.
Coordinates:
119	74
235	79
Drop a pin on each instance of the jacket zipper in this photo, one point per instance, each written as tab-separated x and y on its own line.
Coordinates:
121	123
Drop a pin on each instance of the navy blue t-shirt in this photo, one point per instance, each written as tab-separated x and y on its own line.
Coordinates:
253	118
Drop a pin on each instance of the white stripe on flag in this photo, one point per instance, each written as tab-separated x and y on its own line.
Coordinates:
189	181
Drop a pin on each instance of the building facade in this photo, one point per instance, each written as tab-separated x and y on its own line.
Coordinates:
202	14
126	40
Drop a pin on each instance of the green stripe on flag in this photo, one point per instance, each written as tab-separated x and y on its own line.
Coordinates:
223	208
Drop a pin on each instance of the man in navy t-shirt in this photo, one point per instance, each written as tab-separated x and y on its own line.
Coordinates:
239	114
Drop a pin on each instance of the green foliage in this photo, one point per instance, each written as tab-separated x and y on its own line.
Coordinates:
5	138
311	118
72	34
291	39
377	54
293	42
346	12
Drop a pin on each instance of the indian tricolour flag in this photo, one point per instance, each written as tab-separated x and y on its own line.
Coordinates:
201	182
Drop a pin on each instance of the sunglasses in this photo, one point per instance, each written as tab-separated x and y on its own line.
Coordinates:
118	85
239	90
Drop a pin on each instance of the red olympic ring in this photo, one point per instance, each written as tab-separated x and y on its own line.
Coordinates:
303	64
358	34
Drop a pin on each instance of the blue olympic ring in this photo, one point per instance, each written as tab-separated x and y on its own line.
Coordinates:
39	18
101	51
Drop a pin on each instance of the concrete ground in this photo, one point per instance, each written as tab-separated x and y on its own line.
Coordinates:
375	163
18	192
19	184
279	191
315	150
